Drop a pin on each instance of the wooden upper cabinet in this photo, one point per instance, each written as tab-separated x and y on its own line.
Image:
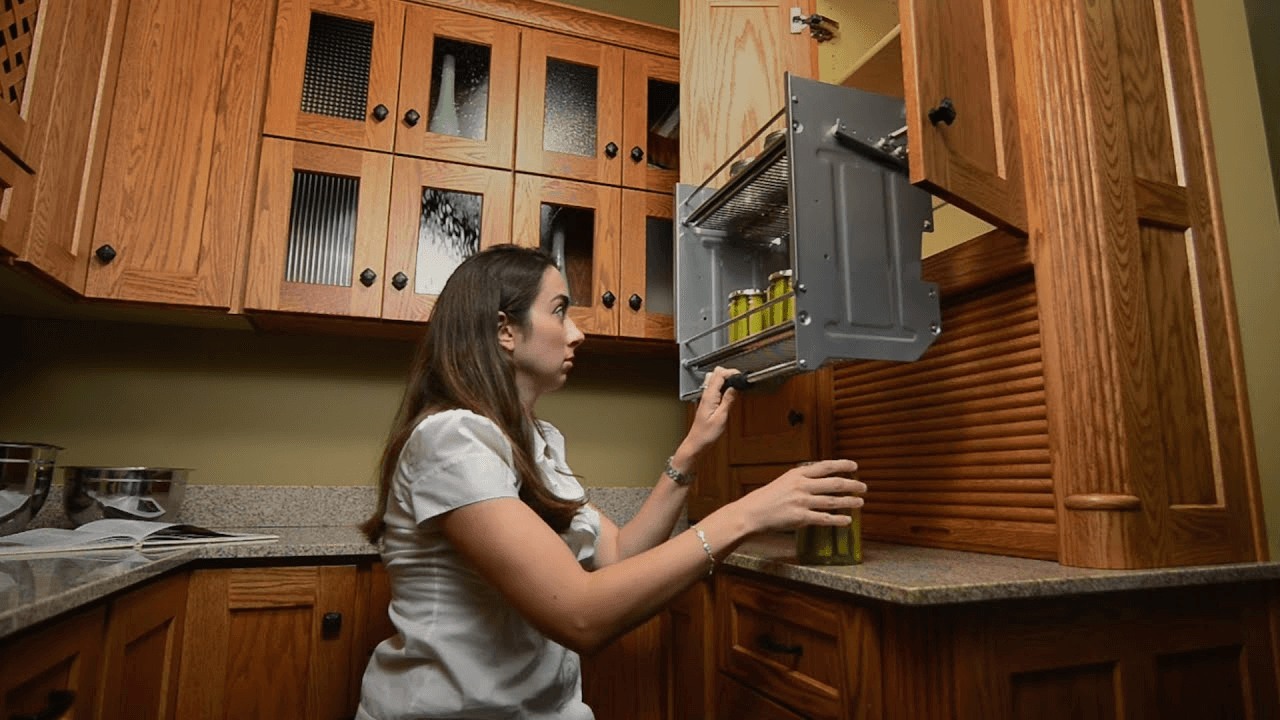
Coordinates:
319	236
570	108
51	215
457	88
647	297
33	32
732	58
651	122
335	71
577	223
441	214
957	62
180	150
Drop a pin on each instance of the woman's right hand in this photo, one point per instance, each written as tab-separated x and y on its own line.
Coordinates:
812	494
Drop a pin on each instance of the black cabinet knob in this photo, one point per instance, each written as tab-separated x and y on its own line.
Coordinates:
380	112
945	113
635	301
60	701
412	117
105	253
611	151
794	418
637	154
368	277
608	299
773	646
399	281
331	624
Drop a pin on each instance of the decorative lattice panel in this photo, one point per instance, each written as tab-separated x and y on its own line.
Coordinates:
17	32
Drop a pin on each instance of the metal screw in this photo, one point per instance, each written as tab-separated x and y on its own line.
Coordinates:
797	127
802	362
801	288
795	100
928	226
933	328
933	293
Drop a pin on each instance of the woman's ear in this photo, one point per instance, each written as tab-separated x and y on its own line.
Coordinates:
506	332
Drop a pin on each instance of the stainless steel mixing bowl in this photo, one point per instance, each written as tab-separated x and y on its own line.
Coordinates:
131	493
26	472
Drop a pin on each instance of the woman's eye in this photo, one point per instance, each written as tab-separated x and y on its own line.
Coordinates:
561	310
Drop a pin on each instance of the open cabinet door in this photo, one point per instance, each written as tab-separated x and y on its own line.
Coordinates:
958	76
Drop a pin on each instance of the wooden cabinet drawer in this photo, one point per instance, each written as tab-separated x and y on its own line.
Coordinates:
816	655
734	700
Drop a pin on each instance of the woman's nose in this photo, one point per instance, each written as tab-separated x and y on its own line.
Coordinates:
575	335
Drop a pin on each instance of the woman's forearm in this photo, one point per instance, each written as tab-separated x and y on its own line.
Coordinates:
658	515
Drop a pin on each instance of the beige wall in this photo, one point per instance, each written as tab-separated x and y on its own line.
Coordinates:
248	408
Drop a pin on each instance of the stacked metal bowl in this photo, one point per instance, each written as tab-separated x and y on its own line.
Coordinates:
26	472
131	493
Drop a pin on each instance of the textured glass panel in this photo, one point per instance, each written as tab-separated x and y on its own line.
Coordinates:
659	266
336	79
664	125
570	118
568	234
448	233
459	89
322	229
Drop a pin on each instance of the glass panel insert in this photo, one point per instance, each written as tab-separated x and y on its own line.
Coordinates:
568	235
664	125
659	266
336	79
448	233
569	123
322	229
459	89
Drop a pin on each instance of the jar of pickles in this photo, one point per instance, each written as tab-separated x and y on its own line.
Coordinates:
828	545
779	285
741	302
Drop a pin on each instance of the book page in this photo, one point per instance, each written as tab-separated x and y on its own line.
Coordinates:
52	540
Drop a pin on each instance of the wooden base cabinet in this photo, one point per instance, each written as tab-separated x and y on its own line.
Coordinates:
142	652
53	673
271	642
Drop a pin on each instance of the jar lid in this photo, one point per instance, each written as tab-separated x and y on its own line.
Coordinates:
747	291
780	274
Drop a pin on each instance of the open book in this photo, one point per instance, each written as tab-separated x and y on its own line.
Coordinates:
115	534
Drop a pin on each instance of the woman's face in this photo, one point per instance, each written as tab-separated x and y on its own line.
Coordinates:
543	351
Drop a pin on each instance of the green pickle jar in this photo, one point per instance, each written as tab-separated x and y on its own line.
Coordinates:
740	303
779	285
827	545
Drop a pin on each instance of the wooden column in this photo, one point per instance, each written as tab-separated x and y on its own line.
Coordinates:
1150	441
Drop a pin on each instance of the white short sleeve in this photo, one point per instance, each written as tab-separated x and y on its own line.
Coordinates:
456	458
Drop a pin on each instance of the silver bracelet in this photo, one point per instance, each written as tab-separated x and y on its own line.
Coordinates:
679	478
706	546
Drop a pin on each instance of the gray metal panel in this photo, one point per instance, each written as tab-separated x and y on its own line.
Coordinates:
834	204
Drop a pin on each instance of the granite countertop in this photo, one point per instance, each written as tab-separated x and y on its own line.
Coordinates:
35	590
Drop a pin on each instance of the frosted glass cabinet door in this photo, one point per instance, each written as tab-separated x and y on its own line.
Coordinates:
651	122
648	266
570	108
441	214
334	71
457	88
577	223
319	232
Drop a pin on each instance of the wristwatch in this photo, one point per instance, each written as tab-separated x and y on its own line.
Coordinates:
681	479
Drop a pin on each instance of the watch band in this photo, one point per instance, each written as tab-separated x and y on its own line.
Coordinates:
679	478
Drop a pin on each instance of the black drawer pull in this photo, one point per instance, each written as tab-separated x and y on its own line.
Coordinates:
60	701
773	646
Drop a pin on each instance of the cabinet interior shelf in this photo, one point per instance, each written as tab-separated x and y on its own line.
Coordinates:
753	206
879	70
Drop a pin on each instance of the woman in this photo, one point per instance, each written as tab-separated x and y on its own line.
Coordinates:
500	572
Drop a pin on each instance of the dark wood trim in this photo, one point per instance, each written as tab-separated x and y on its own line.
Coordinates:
572	20
981	261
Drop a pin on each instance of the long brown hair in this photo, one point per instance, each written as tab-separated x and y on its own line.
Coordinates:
460	365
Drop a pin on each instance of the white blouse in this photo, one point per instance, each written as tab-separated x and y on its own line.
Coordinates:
461	650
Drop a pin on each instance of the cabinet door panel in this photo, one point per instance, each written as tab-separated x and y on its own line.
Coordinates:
321	223
774	425
962	50
459	78
570	108
628	679
441	214
648	266
51	219
256	644
181	143
334	62
64	657
577	224
651	122
143	651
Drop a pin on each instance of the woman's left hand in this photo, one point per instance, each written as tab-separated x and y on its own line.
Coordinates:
713	411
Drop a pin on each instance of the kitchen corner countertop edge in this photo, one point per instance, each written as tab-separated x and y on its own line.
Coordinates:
34	590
